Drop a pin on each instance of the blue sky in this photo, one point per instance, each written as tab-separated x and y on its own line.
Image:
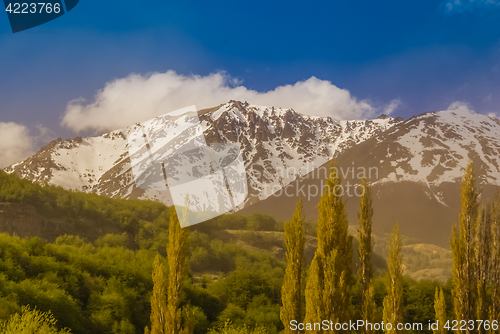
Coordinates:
425	54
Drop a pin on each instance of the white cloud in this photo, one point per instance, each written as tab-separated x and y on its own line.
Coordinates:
140	97
460	105
391	106
465	106
16	144
458	6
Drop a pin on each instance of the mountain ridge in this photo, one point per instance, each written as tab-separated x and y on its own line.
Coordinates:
425	201
269	138
419	162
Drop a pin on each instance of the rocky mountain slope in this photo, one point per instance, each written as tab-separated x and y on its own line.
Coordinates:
415	165
415	168
433	148
277	145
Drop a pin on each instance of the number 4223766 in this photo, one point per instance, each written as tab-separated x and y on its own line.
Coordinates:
32	8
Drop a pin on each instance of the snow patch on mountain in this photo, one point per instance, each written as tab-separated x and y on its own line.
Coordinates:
434	147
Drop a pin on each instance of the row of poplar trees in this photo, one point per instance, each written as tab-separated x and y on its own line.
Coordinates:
476	259
329	283
476	268
476	265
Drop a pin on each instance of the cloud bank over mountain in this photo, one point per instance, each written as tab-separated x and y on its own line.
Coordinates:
16	144
137	98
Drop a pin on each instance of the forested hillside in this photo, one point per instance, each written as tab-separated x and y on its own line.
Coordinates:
99	282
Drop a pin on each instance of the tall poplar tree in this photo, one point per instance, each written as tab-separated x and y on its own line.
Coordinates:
159	298
365	271
291	292
328	289
393	302
440	311
482	250
315	310
495	260
176	254
462	246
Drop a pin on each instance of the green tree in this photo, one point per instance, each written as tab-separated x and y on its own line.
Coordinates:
495	260
176	254
315	310
483	249
291	292
365	271
328	289
31	322
189	319
393	302
440	309
462	246
158	299
230	328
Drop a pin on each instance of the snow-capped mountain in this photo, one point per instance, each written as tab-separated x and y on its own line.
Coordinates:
416	169
278	145
419	162
434	148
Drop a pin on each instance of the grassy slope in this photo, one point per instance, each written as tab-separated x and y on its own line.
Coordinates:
28	210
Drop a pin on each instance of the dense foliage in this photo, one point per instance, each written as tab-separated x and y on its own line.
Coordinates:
476	254
98	288
102	283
